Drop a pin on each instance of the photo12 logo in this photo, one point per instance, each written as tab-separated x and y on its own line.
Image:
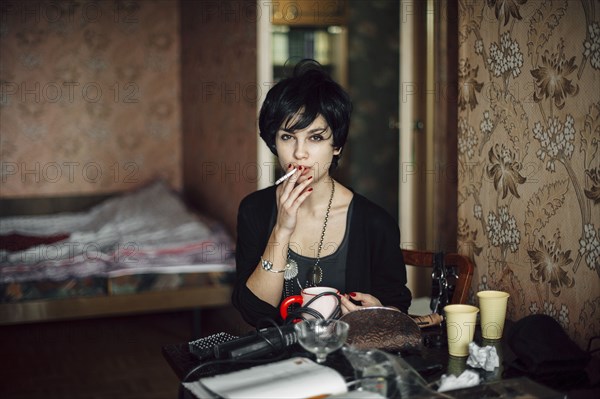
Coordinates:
69	252
68	92
68	171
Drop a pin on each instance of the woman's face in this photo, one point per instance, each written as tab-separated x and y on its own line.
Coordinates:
311	147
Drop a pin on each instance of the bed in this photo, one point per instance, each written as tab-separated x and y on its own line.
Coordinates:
142	251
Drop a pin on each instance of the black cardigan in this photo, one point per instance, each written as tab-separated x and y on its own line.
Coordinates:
374	264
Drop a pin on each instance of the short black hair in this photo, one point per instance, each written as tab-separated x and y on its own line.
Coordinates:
298	100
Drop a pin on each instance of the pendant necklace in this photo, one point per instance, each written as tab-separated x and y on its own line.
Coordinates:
315	273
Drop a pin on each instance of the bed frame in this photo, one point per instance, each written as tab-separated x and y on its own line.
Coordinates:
114	305
42	310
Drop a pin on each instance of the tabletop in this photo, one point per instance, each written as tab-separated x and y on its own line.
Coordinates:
431	360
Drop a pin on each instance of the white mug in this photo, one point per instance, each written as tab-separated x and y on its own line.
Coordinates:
325	305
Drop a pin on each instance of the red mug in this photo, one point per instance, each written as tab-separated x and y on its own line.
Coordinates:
326	305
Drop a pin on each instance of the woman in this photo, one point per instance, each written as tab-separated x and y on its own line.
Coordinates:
311	230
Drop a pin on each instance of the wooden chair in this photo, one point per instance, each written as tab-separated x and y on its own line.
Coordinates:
464	268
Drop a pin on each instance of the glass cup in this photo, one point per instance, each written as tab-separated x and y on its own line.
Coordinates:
321	337
493	313
460	327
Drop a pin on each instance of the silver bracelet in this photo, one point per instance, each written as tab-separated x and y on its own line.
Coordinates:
268	266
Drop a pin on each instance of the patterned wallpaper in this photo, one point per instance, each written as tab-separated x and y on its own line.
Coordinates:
529	165
219	103
89	96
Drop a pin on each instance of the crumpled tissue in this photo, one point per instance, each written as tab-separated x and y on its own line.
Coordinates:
468	378
485	358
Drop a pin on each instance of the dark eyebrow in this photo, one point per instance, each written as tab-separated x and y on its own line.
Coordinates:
317	130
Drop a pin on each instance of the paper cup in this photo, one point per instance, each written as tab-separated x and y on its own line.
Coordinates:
460	327
493	313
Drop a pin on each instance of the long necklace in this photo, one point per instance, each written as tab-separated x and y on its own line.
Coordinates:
315	274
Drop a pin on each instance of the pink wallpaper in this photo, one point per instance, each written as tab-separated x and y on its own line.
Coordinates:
90	96
219	102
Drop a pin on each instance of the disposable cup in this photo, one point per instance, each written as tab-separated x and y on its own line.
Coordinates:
460	327
493	313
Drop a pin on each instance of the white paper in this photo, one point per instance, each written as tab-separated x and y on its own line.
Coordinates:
485	357
357	395
292	378
467	379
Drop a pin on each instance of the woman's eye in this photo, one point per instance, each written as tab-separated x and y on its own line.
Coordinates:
285	137
317	137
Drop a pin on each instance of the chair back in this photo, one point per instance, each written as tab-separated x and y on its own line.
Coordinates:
463	266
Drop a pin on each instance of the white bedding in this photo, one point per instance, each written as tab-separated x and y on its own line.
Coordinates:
148	230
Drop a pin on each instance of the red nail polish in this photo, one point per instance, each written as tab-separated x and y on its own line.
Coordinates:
289	166
309	177
299	167
353	294
310	189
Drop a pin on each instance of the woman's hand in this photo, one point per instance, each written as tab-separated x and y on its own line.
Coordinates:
290	196
366	301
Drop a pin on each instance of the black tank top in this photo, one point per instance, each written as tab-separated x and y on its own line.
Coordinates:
333	265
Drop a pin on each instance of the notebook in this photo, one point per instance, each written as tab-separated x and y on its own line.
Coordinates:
297	377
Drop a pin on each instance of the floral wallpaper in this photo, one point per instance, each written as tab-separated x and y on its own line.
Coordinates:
529	165
89	98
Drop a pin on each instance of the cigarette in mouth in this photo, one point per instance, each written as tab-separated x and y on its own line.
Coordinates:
285	177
